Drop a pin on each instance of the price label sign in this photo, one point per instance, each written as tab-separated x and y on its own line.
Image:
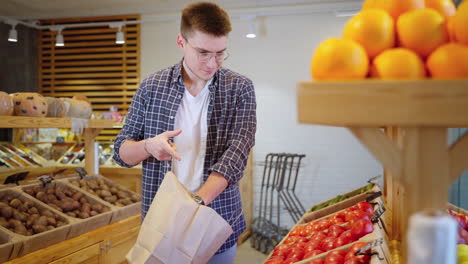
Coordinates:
81	171
45	179
379	212
373	196
369	246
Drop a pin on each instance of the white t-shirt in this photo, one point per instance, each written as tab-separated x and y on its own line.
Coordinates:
191	117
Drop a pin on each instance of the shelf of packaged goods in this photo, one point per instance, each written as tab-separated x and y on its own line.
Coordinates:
419	160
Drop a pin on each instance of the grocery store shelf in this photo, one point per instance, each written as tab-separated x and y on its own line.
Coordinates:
44	122
376	103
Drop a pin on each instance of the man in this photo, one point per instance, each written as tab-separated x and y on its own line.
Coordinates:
197	119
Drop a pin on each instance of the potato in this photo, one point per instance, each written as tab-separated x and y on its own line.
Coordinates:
122	194
83	200
66	206
33	210
15	203
76	196
39	229
105	193
76	204
28	204
56	207
41	195
31	220
60	223
83	215
42	220
36	189
4	222
111	199
60	194
50	191
50	227
97	207
51	221
19	215
71	214
86	208
93	213
47	213
113	190
135	198
6	212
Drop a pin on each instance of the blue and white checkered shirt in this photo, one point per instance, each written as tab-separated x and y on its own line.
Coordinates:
231	133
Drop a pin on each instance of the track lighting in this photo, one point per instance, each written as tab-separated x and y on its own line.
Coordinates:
252	32
59	42
120	36
13	34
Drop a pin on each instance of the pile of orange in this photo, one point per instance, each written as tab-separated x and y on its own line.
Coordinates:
398	39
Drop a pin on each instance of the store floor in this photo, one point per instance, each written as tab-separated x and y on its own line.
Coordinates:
248	255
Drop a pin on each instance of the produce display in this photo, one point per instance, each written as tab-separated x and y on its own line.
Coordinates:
14	157
108	191
24	217
399	39
316	237
64	199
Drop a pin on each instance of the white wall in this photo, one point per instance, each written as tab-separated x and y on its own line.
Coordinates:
276	60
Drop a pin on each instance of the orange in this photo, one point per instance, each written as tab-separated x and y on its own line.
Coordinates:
394	7
339	59
449	61
445	7
450	29
398	63
422	31
460	23
374	29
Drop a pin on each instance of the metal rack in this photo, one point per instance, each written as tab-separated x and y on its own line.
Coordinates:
279	180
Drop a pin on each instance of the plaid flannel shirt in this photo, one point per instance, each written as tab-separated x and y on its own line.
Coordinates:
231	134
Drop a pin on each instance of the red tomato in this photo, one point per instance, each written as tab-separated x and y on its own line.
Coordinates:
360	258
319	236
313	253
341	253
334	259
365	206
291	239
312	245
296	230
324	224
328	244
291	260
317	261
345	238
274	260
357	215
355	261
296	253
335	230
281	252
361	228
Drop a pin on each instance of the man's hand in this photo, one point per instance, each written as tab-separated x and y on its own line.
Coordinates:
161	148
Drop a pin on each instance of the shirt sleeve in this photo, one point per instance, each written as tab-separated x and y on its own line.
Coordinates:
241	137
134	124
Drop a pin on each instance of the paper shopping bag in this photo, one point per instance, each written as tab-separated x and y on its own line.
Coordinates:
178	230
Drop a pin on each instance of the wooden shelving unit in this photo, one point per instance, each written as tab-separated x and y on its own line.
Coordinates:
89	134
422	164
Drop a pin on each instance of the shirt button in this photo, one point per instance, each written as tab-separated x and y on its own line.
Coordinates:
171	117
180	96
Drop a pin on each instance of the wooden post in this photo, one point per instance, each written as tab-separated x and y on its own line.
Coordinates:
90	148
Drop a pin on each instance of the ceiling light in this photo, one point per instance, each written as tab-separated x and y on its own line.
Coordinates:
59	39
13	35
119	36
252	33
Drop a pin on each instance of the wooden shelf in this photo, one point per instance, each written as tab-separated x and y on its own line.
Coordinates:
44	122
376	103
421	164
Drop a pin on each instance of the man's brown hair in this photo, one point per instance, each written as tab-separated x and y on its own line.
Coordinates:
206	17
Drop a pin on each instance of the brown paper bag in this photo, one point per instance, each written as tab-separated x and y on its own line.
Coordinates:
178	230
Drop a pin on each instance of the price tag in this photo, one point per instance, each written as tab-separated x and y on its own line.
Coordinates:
373	196
369	246
81	171
45	179
378	213
15	178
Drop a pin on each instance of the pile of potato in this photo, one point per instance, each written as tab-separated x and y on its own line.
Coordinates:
67	200
107	191
24	218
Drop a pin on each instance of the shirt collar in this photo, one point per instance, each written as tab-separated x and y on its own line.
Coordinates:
213	82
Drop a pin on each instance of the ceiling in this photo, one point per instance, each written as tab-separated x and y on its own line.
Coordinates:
40	9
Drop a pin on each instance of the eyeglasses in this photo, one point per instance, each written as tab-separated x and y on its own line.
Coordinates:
205	56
